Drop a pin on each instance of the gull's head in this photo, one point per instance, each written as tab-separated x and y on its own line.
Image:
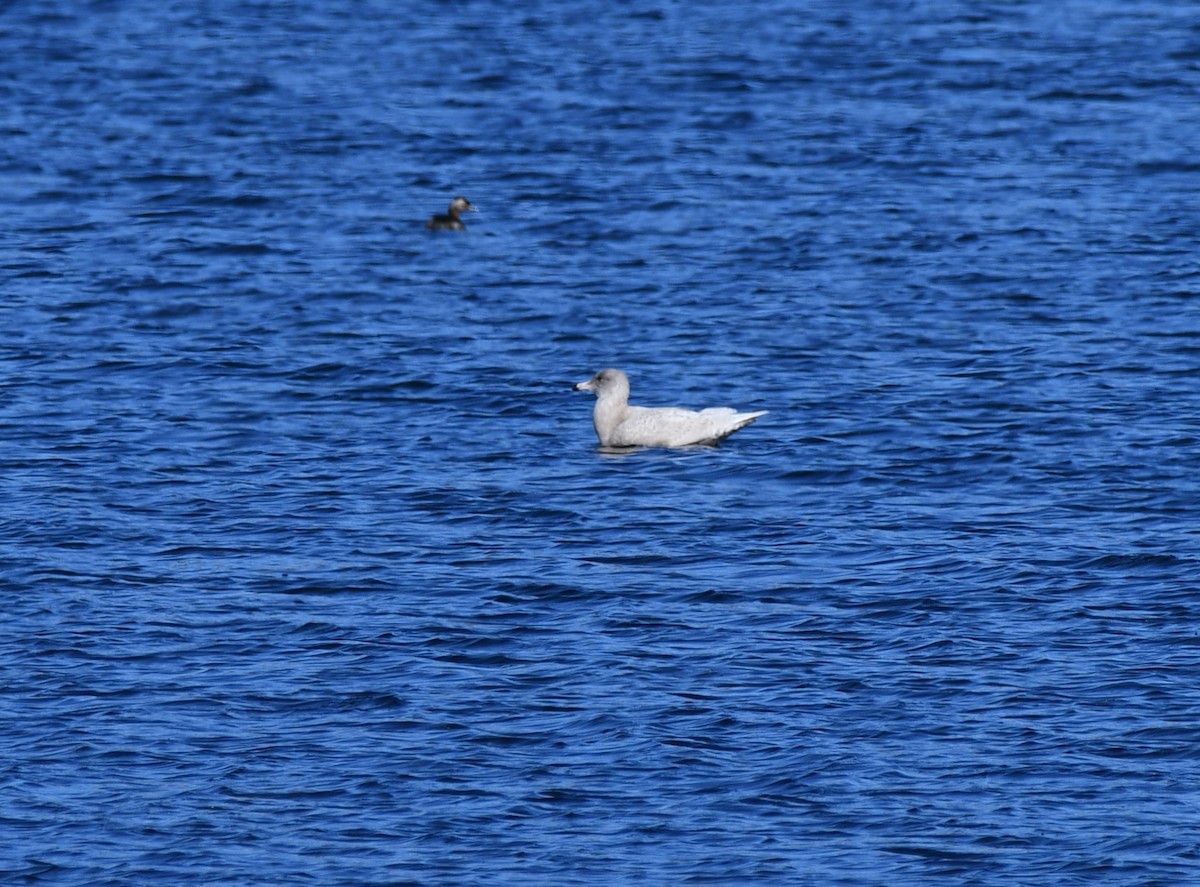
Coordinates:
605	383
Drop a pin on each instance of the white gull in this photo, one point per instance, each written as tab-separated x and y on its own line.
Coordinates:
620	425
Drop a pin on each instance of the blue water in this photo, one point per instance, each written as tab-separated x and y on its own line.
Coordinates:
312	570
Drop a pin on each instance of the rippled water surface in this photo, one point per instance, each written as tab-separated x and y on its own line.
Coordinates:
311	568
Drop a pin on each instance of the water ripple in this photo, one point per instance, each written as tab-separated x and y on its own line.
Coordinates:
313	570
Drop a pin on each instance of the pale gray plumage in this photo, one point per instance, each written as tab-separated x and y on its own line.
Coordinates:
620	425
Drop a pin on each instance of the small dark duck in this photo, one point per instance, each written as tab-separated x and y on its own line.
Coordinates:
451	220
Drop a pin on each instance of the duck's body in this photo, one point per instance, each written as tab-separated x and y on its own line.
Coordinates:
451	220
620	425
